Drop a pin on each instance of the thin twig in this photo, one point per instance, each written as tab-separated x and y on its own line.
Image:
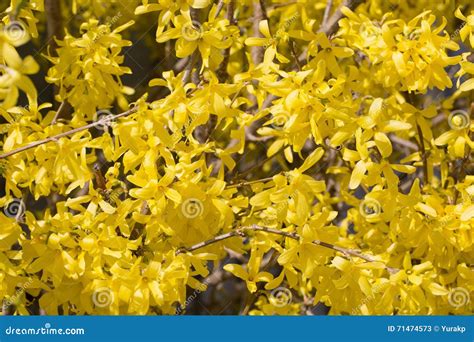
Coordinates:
220	6
242	231
294	55
332	23
222	69
14	14
58	112
403	142
259	14
284	4
54	21
189	66
327	11
423	154
102	121
460	173
238	185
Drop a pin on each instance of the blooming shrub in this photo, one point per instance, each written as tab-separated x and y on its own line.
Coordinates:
312	154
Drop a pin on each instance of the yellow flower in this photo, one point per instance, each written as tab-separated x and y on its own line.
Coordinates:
88	70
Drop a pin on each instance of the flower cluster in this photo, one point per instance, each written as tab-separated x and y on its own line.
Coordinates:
310	158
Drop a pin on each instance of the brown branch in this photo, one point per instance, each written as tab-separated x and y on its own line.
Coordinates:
220	6
460	173
400	141
327	10
34	144
54	21
14	13
58	112
242	231
189	66
423	154
221	72
237	185
294	55
259	14
332	24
